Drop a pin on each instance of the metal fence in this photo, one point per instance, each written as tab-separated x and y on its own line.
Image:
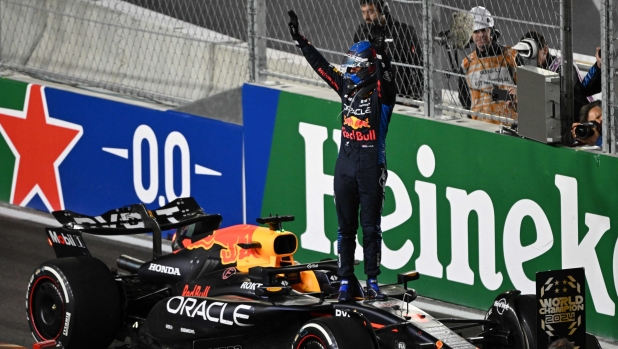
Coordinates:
609	65
178	51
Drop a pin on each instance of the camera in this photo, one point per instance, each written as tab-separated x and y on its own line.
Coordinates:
586	129
498	94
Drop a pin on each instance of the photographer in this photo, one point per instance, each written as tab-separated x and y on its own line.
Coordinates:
402	45
588	129
533	46
489	86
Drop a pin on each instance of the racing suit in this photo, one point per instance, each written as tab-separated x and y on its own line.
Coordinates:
360	171
404	47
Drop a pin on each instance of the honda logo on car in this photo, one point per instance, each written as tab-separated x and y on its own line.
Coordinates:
65	239
501	306
164	269
212	312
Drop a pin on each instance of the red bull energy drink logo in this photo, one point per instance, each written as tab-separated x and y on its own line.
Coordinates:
358	135
228	238
355	122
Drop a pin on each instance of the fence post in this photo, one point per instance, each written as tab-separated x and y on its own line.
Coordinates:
256	30
566	36
428	76
607	77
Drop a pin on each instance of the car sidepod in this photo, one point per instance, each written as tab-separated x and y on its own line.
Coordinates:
180	322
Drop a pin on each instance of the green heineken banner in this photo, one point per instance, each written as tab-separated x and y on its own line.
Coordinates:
561	311
475	212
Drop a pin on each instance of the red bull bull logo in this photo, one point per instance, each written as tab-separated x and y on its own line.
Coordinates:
355	122
228	238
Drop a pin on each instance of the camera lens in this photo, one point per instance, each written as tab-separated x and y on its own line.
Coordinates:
584	131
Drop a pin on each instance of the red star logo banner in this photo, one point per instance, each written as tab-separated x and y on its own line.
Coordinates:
40	143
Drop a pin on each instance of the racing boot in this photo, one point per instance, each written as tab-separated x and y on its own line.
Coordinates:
373	290
344	292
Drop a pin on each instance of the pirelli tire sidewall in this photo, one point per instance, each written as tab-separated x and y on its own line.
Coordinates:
74	300
333	333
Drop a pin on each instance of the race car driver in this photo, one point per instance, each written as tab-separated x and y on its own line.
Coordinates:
367	90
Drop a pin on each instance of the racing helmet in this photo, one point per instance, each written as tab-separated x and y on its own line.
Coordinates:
360	55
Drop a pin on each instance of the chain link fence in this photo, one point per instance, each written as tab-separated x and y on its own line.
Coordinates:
179	51
165	54
511	21
609	67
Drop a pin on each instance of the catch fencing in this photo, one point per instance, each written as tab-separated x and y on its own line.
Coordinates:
178	51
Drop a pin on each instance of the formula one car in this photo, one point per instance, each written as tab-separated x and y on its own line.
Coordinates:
236	287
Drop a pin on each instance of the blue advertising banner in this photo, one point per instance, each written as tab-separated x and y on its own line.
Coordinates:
90	155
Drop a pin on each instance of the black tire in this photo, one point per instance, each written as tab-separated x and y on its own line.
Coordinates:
333	332
74	301
525	308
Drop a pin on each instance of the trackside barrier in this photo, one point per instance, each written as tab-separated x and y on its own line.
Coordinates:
474	212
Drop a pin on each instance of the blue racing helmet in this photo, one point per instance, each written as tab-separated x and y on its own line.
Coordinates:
360	55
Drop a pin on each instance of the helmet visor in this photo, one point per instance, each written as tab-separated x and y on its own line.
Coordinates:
352	61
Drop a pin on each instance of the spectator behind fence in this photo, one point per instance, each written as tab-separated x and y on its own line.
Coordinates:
490	72
533	46
402	45
561	343
588	129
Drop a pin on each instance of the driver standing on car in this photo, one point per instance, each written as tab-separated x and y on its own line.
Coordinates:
367	90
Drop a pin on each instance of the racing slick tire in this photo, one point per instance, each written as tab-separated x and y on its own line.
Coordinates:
74	301
333	332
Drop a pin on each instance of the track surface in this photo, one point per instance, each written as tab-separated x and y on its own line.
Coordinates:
22	248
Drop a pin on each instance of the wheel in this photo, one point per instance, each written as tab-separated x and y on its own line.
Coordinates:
525	308
75	301
333	332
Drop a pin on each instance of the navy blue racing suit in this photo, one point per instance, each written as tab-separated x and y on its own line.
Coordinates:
360	171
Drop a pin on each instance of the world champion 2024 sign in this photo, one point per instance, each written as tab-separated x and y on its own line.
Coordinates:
561	311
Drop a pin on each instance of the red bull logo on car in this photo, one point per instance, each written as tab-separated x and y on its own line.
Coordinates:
228	239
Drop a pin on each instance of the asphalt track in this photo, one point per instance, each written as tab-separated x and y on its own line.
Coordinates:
23	247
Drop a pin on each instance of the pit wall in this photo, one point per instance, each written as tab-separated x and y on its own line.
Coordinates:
475	212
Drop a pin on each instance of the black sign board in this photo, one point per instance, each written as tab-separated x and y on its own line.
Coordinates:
561	310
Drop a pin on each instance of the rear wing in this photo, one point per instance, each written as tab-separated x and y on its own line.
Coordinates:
132	219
